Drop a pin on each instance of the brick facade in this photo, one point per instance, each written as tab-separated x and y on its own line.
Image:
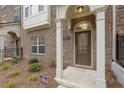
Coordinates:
50	39
10	13
108	35
10	25
68	37
68	40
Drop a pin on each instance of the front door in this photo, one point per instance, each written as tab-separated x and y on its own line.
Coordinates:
83	48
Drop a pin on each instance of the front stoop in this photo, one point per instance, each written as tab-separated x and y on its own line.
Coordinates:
60	86
74	77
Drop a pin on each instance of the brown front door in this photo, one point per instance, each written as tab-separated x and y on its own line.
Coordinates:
83	48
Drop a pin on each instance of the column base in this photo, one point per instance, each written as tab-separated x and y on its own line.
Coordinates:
59	74
101	83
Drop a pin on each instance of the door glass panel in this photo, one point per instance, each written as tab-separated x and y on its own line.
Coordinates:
83	48
83	43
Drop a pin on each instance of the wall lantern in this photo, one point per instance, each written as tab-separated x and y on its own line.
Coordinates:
80	8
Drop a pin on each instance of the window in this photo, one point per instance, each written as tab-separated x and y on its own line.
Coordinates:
38	45
41	8
26	11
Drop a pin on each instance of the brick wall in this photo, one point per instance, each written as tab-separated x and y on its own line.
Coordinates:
10	13
50	34
108	35
120	19
68	40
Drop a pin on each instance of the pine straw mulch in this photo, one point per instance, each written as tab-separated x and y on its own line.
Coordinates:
21	81
111	80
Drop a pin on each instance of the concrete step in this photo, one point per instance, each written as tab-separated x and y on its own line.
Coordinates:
60	86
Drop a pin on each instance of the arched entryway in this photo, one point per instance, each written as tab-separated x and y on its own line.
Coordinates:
82	46
87	23
12	43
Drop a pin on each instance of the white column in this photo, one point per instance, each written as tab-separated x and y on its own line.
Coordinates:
114	34
59	49
100	23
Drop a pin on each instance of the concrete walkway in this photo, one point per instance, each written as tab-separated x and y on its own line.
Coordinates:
78	77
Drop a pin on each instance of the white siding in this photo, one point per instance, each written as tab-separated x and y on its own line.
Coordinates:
37	18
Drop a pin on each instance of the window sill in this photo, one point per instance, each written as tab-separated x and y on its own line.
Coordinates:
37	54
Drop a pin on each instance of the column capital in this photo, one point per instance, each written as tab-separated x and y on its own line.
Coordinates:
100	16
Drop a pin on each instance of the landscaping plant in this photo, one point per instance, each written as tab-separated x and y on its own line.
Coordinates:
33	60
4	67
16	60
14	73
9	84
32	77
35	67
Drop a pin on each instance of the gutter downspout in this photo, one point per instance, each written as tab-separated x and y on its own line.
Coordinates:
114	34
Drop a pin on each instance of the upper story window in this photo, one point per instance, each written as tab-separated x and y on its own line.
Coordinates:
32	10
41	8
26	11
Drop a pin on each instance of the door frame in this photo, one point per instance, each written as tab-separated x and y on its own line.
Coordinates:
84	66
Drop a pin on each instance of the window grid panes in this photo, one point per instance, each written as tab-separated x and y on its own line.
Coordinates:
26	11
38	45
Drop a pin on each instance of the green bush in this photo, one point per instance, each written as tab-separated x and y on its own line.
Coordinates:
9	84
16	60
35	67
33	60
32	77
4	67
13	73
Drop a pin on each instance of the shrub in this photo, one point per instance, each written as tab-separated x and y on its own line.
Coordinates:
33	60
32	77
35	67
13	73
9	84
16	60
4	67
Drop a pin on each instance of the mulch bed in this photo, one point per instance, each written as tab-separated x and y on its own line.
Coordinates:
22	81
111	80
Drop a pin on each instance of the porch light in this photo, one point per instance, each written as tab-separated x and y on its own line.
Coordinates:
80	8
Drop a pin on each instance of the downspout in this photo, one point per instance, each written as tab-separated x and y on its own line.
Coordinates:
114	34
21	29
